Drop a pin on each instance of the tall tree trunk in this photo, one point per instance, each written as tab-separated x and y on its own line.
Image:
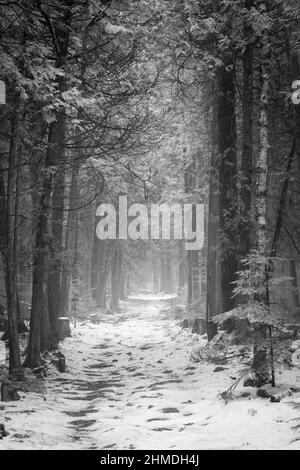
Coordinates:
46	339
191	184
181	266
75	279
41	259
55	269
227	179
155	271
295	72
95	265
65	270
11	261
166	281
259	364
262	161
247	145
123	282
104	256
194	278
214	291
115	276
40	262
3	227
69	242
3	236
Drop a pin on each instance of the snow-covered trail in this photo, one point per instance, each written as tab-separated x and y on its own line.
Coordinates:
130	385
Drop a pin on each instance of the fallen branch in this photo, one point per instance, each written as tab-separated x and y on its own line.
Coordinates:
228	394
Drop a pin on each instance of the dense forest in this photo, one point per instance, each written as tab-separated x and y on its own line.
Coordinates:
180	103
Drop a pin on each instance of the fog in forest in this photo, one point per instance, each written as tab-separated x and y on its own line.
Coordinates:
149	226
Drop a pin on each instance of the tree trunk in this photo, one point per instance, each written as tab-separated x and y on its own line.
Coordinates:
115	277
95	266
295	71
123	285
194	278
41	251
56	147
3	228
104	256
75	278
166	281
181	267
214	292
69	242
155	271
40	261
259	364
11	261
247	145
72	219
227	180
46	339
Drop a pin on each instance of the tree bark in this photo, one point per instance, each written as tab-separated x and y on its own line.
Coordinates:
95	268
56	147
46	339
214	291
156	267
69	242
104	255
181	266
247	145
3	227
166	280
227	179
11	261
115	276
39	278
259	364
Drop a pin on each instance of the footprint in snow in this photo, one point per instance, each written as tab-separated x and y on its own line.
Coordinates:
82	423
170	410
161	429
157	419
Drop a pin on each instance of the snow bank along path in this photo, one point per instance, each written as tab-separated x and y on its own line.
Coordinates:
130	385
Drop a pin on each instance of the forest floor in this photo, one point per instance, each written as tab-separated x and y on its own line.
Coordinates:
130	384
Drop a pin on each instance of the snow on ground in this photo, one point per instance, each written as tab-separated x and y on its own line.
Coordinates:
130	385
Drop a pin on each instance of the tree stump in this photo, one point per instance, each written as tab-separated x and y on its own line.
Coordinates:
9	392
13	394
18	375
5	391
199	326
64	329
212	330
62	364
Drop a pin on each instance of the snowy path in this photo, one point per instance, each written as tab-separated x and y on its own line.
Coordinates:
130	385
